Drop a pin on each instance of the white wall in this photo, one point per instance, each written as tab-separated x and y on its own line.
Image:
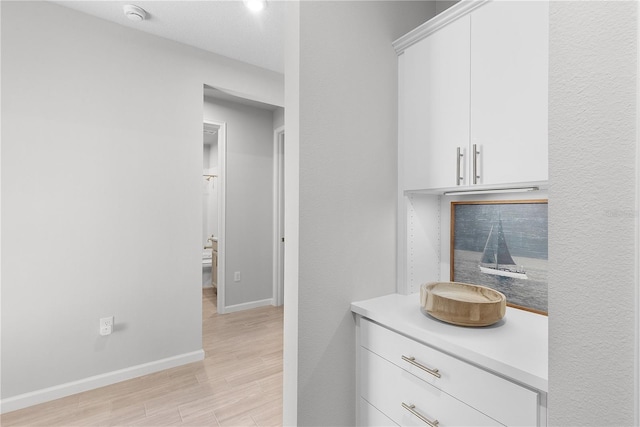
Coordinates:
249	199
90	225
291	214
592	149
347	117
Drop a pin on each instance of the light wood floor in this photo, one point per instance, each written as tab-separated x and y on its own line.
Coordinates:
238	384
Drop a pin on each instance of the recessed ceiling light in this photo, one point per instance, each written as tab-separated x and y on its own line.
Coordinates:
134	13
255	5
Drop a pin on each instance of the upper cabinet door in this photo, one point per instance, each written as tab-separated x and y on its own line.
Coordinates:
509	87
434	107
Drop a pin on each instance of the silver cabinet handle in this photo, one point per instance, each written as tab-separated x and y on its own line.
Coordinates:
412	360
412	409
475	164
459	178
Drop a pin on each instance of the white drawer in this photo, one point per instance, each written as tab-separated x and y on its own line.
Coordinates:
370	416
387	387
495	396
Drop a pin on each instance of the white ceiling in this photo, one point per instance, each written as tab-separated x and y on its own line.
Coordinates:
225	27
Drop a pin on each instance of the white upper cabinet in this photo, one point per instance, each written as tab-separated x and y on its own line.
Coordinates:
435	103
473	97
509	88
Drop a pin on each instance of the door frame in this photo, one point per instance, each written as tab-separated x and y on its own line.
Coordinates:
278	216
222	198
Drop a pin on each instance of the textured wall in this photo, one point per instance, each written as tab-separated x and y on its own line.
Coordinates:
592	162
348	183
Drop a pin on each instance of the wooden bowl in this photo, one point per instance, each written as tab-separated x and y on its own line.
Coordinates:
462	303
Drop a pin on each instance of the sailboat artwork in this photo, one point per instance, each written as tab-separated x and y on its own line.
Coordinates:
502	245
496	259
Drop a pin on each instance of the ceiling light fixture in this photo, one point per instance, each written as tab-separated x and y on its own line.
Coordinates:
134	13
255	5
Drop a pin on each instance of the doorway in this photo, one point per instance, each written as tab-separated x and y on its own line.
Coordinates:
213	208
250	180
250	186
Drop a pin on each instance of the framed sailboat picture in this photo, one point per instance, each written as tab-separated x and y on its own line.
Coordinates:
502	245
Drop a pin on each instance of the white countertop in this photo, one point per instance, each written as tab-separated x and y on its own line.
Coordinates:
516	347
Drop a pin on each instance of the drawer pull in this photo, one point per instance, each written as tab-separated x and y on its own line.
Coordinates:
412	360
412	409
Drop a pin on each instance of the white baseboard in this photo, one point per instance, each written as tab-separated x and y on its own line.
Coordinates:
56	392
248	305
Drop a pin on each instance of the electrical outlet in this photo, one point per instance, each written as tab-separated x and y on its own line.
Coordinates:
236	276
106	325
